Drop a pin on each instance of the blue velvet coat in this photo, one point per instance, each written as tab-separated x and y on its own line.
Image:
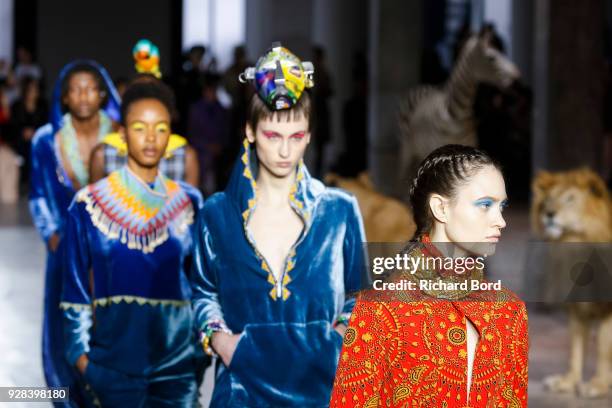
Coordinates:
51	192
126	298
288	350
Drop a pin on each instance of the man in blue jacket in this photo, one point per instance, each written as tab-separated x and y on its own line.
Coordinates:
84	105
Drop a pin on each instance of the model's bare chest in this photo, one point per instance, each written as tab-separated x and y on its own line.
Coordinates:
275	230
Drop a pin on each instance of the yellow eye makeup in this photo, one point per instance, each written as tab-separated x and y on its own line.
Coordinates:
138	126
162	127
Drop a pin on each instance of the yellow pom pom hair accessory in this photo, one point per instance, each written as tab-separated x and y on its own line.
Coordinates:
146	58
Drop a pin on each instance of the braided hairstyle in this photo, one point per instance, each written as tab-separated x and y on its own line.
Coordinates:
441	172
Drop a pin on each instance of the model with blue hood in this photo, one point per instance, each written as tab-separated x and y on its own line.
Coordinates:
51	191
282	326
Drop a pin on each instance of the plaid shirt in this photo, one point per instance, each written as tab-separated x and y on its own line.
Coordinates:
172	167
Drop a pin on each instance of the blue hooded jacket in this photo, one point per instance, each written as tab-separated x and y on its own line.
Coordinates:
51	192
288	349
126	293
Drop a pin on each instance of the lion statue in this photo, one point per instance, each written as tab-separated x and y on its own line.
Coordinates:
572	206
386	220
575	206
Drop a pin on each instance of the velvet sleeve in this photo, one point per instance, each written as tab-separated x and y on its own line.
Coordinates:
40	194
204	278
354	252
76	294
363	360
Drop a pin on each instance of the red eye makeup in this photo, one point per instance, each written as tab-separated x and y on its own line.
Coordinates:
270	135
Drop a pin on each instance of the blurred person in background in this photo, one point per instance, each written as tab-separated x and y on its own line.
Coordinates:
241	94
188	90
7	81
9	161
208	132
26	66
83	108
354	158
504	124
5	109
29	113
321	95
5	70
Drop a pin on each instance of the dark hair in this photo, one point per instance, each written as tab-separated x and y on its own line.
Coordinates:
200	49
25	84
258	110
142	77
89	69
147	90
209	80
121	80
442	171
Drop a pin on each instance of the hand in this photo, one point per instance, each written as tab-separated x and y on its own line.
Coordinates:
341	329
81	363
225	345
53	242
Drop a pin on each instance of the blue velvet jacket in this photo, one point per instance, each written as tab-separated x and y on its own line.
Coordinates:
51	192
126	297
288	350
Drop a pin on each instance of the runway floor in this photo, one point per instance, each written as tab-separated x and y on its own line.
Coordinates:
22	258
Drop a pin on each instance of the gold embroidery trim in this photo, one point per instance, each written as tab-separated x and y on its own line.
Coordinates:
299	206
76	306
107	301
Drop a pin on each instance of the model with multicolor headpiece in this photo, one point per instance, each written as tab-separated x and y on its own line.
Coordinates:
280	77
278	255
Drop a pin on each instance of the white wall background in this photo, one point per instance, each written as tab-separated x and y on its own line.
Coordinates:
499	12
220	25
6	29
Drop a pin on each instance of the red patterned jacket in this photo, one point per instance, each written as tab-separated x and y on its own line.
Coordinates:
413	354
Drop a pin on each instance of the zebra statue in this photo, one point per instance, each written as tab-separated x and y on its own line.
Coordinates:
431	116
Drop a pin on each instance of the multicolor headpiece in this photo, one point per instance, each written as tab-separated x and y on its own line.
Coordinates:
279	77
146	58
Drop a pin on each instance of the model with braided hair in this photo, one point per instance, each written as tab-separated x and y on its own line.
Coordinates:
441	347
439	178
